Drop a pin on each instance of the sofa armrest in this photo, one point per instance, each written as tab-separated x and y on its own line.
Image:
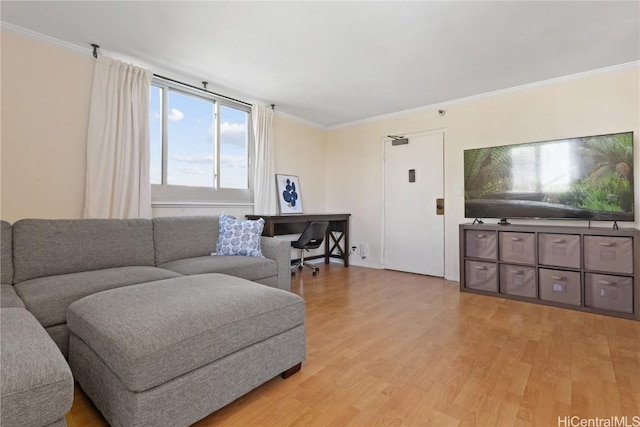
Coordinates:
280	251
37	384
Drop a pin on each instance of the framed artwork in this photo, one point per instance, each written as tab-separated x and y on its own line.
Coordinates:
288	189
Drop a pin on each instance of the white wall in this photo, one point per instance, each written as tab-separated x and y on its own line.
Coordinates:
590	105
45	112
301	150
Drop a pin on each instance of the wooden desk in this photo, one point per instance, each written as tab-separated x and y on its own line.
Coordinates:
338	231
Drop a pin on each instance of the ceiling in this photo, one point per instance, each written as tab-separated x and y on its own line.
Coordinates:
332	62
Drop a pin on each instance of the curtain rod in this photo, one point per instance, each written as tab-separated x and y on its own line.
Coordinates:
201	89
95	55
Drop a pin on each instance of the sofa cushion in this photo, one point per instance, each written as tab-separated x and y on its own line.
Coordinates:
239	237
37	386
51	247
184	237
249	268
6	253
9	297
153	332
48	297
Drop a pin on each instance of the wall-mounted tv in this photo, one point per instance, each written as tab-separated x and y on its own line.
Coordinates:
588	178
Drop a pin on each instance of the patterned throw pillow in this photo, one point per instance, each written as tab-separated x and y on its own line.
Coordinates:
239	237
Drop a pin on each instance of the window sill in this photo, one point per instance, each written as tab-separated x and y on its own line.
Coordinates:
169	204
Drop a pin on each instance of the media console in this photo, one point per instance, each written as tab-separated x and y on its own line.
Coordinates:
588	269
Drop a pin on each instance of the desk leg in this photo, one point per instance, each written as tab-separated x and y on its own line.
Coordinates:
347	248
327	247
269	228
332	244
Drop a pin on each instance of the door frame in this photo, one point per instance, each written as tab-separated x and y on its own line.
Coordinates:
383	211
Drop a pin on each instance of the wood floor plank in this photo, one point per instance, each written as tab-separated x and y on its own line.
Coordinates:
392	348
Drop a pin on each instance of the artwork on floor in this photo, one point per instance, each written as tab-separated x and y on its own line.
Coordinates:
289	194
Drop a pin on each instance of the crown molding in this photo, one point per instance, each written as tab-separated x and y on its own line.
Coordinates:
44	38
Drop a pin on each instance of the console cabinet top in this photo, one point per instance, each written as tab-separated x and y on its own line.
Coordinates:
560	229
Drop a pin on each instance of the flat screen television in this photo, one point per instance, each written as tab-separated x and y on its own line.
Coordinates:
587	178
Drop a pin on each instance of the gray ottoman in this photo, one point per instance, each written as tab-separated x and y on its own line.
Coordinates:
37	386
168	353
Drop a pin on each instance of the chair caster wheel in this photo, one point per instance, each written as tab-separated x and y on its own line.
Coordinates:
299	267
315	273
293	274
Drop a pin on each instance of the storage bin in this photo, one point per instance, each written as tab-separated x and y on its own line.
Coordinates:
560	286
611	254
481	275
518	280
562	250
608	292
518	247
481	244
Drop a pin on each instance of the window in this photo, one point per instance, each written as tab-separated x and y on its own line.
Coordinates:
199	146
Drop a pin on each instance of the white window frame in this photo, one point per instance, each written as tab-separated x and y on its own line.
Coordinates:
165	194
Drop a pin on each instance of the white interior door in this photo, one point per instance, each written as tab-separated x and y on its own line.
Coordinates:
413	232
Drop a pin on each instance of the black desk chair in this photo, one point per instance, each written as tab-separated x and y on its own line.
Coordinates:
311	238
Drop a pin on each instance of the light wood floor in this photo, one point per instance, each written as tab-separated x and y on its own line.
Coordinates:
390	348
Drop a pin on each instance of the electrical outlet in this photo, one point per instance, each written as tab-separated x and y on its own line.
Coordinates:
364	250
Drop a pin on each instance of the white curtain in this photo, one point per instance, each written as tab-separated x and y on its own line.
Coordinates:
264	178
117	184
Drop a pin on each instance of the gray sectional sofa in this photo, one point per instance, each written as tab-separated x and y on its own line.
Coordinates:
50	265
